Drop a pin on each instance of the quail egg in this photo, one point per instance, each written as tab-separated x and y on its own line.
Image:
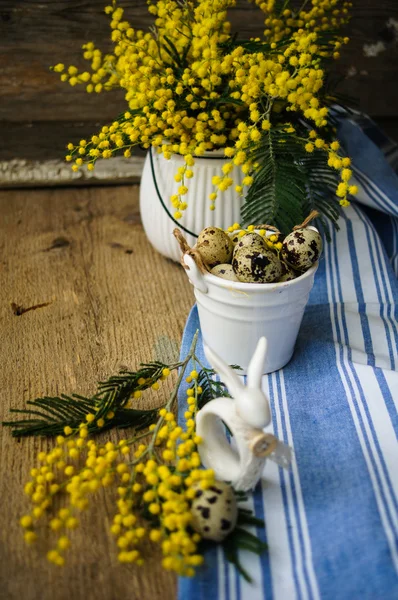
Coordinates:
287	273
302	248
214	511
251	240
225	272
252	266
235	238
214	246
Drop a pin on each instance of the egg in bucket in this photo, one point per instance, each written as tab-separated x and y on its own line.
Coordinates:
234	315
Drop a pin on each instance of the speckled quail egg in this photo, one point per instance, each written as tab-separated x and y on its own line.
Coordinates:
302	248
251	266
214	511
251	240
215	246
235	237
225	272
287	273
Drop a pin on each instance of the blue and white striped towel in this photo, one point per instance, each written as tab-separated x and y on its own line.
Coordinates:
375	164
331	523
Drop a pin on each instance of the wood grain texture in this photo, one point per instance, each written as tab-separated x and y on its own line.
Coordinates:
44	140
48	173
36	34
112	302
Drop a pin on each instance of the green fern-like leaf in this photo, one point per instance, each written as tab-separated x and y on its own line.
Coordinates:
240	539
321	189
289	182
276	194
211	388
48	416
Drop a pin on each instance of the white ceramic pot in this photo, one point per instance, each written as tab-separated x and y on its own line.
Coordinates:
234	315
157	185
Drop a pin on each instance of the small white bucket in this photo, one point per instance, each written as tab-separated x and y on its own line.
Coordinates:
234	315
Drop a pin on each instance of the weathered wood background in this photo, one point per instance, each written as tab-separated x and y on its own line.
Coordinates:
97	298
40	114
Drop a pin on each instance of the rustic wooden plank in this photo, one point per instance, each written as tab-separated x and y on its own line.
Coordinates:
112	302
21	173
36	34
42	140
41	158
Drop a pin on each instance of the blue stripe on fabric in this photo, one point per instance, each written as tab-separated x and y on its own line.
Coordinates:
261	533
304	556
385	226
362	397
226	580
202	586
394	247
360	297
394	252
384	269
368	158
319	294
326	448
378	200
379	374
377	275
373	194
358	289
282	476
237	586
389	402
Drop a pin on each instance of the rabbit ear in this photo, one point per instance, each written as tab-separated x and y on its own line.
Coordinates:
227	375
256	367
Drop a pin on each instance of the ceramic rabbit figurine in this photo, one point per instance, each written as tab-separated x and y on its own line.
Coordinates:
245	415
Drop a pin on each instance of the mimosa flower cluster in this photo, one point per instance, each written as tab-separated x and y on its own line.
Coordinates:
192	87
155	475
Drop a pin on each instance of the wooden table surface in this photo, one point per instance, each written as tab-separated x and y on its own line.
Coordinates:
112	302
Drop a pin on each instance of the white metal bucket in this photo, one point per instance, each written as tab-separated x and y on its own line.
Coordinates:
234	315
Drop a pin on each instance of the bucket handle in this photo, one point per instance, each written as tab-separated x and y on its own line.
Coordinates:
194	274
159	195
